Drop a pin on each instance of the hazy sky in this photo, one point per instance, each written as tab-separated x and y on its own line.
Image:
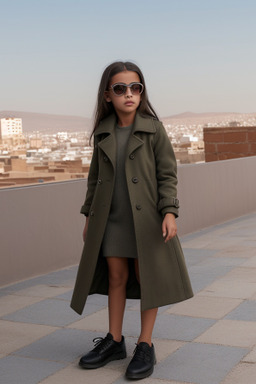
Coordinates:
196	55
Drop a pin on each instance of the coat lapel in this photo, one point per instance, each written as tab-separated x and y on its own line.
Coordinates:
108	143
108	146
141	124
134	143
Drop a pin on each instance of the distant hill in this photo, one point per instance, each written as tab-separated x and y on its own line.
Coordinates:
188	115
191	118
48	123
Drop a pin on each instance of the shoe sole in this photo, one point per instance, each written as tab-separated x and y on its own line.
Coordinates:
138	376
118	356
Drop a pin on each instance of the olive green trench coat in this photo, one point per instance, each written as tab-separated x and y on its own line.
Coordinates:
151	179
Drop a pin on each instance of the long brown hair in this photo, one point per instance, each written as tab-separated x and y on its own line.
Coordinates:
103	108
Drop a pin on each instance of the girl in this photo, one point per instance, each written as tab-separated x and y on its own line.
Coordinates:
130	245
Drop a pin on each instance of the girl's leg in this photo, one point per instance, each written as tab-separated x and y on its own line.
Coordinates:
142	363
118	275
148	317
109	349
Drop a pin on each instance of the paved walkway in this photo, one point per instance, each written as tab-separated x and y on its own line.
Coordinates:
210	339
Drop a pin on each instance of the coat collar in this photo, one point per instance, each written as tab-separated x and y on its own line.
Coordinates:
141	124
108	144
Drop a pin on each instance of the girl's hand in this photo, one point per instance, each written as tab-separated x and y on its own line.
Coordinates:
85	228
169	227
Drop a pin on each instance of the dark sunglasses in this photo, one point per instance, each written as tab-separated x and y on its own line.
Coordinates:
120	89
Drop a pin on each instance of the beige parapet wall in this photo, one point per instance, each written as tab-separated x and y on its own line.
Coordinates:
212	193
41	227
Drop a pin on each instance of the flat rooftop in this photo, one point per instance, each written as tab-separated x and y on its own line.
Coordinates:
209	339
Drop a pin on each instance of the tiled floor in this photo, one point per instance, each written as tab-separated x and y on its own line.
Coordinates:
209	339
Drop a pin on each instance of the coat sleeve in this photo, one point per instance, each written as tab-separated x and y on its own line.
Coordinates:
92	181
166	172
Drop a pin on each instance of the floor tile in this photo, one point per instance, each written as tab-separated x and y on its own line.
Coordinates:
242	274
212	272
251	357
246	231
64	277
206	272
230	332
200	282
75	375
245	312
49	312
67	296
96	299
205	306
42	290
16	335
251	263
230	288
174	327
249	242
63	345
12	303
163	348
134	305
190	236
199	363
95	322
236	251
212	242
242	374
194	256
160	381
19	370
123	380
197	243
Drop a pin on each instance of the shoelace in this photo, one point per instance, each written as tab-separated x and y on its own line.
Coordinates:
140	354
101	343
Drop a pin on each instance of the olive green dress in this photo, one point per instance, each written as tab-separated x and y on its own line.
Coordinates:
119	238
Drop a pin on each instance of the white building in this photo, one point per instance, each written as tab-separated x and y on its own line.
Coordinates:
10	127
188	138
62	136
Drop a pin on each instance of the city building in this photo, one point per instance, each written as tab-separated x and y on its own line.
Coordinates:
10	127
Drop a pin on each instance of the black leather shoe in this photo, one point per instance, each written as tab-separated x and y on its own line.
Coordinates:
106	349
142	363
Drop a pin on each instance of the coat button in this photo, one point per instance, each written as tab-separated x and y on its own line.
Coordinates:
99	181
132	156
176	202
105	159
138	207
135	180
92	213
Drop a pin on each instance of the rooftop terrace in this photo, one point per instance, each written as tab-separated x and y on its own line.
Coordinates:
210	339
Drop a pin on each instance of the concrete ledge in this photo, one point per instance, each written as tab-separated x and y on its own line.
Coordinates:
212	193
41	227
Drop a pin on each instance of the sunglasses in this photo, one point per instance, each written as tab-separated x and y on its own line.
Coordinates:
120	89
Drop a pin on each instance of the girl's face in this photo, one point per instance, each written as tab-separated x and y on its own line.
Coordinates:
128	102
